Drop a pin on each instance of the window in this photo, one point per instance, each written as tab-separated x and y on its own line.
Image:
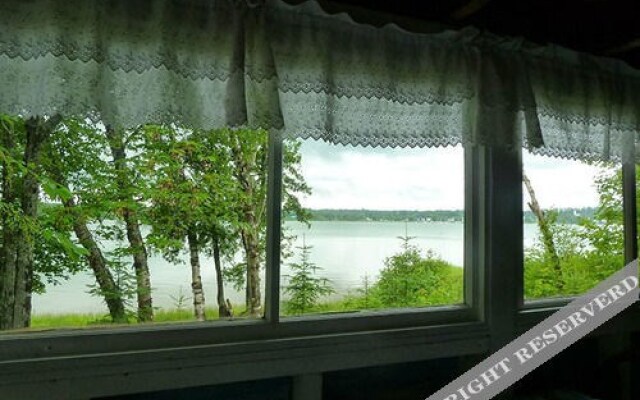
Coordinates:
573	225
381	228
167	224
159	223
409	253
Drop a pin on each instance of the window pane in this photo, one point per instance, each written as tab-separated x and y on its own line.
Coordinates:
573	232
376	228
157	224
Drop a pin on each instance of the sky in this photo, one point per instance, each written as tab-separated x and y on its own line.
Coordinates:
425	179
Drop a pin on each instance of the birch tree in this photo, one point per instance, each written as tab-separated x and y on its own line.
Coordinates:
545	222
127	206
190	202
249	149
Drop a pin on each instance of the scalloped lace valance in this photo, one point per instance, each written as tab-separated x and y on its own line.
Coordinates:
212	63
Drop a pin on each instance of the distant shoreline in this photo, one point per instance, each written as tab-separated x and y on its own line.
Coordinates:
565	215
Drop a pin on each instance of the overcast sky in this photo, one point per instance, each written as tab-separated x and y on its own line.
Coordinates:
425	179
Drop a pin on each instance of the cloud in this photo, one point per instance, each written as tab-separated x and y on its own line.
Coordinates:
561	183
383	179
426	179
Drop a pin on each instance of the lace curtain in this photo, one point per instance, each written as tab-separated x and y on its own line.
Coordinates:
300	71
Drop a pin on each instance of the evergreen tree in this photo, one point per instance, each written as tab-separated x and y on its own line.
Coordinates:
304	288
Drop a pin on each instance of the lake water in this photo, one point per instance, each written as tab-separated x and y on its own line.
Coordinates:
346	252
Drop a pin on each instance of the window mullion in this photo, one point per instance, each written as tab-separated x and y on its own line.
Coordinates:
473	191
274	227
501	232
629	211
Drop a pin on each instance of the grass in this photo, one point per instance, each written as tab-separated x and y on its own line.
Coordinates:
85	320
349	304
64	320
81	320
447	291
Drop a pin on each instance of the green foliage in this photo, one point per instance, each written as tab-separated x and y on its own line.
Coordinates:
364	298
411	279
235	274
589	252
56	256
189	188
304	288
293	182
212	184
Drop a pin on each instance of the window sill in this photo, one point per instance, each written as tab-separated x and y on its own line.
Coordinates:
627	321
275	350
70	342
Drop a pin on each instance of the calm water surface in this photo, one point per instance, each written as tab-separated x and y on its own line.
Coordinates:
346	252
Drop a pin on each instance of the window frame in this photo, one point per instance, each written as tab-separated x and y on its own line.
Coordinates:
527	308
466	312
532	312
316	323
88	363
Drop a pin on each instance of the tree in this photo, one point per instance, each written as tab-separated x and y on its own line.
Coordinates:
411	279
193	201
75	164
604	233
57	257
36	243
587	252
545	223
249	149
303	287
541	271
202	192
249	160
175	203
127	207
210	166
225	309
20	197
